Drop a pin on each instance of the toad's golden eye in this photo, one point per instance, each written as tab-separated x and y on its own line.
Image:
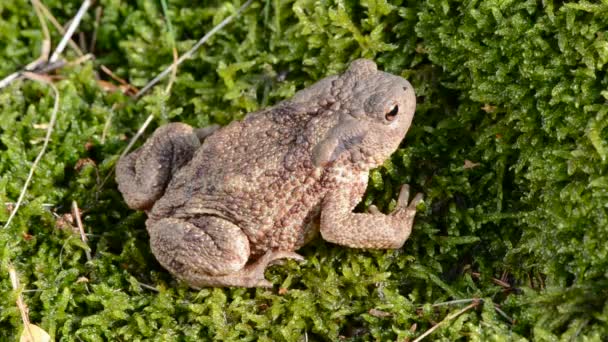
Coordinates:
392	113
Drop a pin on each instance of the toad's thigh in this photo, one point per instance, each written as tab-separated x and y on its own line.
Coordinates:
205	245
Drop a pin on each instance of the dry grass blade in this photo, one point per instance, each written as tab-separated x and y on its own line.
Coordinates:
445	320
109	72
31	332
503	314
43	64
129	146
140	131
173	71
149	287
58	27
46	43
70	31
106	126
191	51
81	59
477	300
10	78
125	88
457	301
20	304
83	236
98	13
44	53
47	138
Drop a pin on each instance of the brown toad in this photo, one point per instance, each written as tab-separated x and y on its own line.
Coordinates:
256	190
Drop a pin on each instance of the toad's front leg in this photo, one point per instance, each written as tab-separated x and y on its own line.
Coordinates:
366	230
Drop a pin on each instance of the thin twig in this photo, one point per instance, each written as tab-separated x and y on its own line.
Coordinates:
47	138
128	88
10	78
149	287
81	59
140	131
480	300
59	28
501	283
46	43
44	51
81	41
579	329
191	51
457	301
445	320
45	206
32	291
43	64
83	237
70	31
173	72
173	48
98	12
107	124
503	314
109	72
43	69
128	148
20	303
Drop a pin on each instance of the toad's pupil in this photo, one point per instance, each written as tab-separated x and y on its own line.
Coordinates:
390	116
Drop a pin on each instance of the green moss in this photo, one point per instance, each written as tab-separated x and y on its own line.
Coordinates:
509	145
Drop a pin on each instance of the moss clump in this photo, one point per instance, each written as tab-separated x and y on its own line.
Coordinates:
509	144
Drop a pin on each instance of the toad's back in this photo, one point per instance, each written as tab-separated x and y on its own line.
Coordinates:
258	174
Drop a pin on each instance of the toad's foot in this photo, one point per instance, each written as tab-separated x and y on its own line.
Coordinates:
254	274
251	275
366	230
403	208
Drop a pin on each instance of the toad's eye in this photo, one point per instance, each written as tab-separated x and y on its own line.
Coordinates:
392	113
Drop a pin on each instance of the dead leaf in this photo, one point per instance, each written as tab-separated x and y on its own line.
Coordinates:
34	334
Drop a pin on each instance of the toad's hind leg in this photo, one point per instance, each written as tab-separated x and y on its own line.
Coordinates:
209	251
143	175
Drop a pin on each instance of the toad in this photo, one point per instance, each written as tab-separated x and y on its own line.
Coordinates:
224	204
